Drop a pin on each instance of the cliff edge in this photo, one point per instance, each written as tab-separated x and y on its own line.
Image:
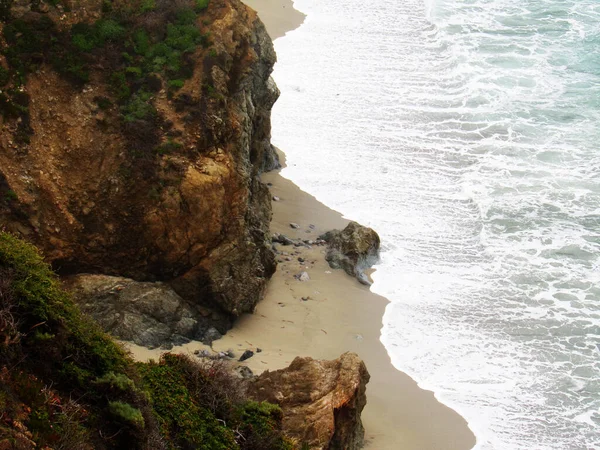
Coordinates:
132	135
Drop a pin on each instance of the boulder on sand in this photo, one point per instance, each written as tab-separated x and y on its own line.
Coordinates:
354	249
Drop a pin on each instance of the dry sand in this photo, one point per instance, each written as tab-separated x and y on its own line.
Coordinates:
330	314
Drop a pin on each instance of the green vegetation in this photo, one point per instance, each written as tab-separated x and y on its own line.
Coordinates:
167	147
139	107
182	419
10	195
126	413
45	338
65	384
200	406
199	5
139	46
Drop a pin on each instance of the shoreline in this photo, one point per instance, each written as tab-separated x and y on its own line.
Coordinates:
330	314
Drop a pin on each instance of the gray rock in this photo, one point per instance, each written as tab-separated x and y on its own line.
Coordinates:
354	249
275	198
244	372
282	239
294	226
212	334
303	276
148	314
246	355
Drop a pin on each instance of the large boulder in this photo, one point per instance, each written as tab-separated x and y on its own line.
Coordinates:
354	249
148	314
173	198
321	400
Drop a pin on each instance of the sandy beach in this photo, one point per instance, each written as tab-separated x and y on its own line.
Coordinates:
330	314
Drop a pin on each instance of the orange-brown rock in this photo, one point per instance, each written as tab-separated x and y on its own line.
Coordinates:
197	216
321	400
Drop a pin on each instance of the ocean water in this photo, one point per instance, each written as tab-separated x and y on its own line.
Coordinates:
467	133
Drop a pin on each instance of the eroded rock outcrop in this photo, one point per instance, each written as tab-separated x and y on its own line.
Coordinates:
149	314
321	400
354	249
174	197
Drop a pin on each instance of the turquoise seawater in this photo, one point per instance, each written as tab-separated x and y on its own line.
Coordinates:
467	134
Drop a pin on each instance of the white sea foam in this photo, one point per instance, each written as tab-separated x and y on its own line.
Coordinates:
466	134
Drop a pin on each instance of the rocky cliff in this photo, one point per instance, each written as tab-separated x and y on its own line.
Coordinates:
321	400
132	135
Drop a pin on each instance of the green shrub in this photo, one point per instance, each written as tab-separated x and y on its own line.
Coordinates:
83	37
108	30
139	107
184	422
260	422
41	303
102	102
141	41
176	84
120	87
119	381
63	349
168	147
126	413
10	196
147	6
136	72
200	5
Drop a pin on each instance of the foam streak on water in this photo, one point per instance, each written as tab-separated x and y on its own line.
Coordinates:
467	134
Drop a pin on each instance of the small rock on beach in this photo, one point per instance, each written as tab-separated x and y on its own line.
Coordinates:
303	276
246	355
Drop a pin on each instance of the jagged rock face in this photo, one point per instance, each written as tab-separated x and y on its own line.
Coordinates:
321	400
149	314
197	217
354	249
